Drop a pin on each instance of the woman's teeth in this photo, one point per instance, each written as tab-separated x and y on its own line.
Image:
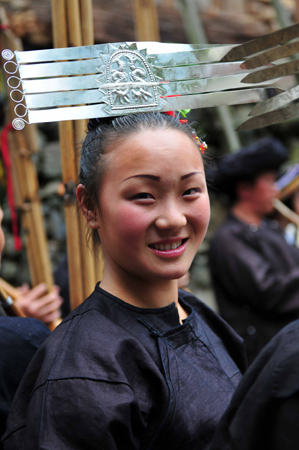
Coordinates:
171	246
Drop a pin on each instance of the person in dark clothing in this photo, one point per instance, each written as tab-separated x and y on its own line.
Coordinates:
19	340
139	364
264	411
255	272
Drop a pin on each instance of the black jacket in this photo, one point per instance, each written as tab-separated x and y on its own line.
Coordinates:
19	339
264	412
114	376
255	275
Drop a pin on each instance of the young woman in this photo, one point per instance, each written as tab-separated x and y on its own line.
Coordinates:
139	365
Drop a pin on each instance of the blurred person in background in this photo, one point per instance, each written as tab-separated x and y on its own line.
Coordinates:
255	272
19	339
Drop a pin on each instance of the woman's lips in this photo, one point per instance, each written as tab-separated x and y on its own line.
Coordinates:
169	248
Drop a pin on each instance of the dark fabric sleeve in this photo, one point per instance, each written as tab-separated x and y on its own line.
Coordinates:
81	414
244	273
284	432
264	411
19	340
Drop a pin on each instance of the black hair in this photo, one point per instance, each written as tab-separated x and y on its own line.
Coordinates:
105	132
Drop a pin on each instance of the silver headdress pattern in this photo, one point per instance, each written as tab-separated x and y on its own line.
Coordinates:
124	78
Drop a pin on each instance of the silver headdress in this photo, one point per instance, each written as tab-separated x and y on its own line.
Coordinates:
124	78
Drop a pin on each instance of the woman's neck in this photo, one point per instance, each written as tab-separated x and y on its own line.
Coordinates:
143	293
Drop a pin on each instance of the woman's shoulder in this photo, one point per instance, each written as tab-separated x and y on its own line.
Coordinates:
282	362
88	344
219	336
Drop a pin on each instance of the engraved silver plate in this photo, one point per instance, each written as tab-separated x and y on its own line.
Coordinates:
128	82
125	78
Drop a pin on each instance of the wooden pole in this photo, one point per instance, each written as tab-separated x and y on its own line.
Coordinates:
22	144
196	34
94	264
286	212
68	164
146	20
87	22
59	28
297	12
88	260
6	290
74	24
88	39
9	289
8	306
76	20
80	126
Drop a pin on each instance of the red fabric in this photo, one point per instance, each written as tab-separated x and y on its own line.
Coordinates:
10	196
170	113
173	114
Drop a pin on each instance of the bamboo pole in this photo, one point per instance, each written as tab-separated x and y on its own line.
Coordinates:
9	289
16	180
9	294
289	189
23	144
73	26
297	11
94	264
196	34
146	20
68	164
87	259
286	212
31	213
87	22
59	28
8	305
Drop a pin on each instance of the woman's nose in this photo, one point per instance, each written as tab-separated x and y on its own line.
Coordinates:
171	217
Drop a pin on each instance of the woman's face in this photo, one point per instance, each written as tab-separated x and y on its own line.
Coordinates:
2	239
153	205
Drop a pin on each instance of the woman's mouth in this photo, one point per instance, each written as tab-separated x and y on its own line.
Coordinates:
174	248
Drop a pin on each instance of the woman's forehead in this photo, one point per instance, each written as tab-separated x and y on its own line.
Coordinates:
156	153
152	142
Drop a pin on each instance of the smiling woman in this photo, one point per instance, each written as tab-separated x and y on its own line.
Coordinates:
140	364
153	206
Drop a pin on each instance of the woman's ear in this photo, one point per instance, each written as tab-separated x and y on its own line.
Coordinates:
87	208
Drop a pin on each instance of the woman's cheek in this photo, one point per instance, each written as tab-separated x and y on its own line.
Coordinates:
204	212
132	220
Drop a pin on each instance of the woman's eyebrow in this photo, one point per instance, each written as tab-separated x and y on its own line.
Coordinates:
156	178
151	177
191	174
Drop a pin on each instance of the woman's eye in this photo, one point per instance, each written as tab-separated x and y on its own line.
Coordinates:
192	191
143	196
